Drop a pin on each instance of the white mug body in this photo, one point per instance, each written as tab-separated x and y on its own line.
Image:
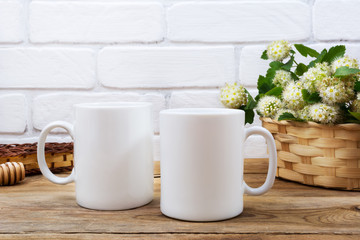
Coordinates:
113	159
202	163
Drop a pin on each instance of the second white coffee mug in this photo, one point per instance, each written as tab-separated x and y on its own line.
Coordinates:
113	160
202	163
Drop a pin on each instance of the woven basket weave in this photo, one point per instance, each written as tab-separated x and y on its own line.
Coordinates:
316	154
59	156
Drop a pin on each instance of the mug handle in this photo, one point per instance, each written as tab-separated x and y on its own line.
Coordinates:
41	153
270	178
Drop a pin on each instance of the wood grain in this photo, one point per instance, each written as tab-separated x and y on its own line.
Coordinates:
38	209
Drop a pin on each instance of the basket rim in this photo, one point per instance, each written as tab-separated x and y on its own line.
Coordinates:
345	126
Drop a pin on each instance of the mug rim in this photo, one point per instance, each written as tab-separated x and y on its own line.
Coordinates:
112	105
202	111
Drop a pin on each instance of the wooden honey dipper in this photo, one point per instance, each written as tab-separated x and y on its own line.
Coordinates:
11	173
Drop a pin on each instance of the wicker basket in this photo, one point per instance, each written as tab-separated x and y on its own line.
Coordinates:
317	155
59	156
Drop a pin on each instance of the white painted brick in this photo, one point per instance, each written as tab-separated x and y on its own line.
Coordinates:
47	68
163	67
12	113
251	65
195	99
93	22
336	19
59	106
239	21
11	30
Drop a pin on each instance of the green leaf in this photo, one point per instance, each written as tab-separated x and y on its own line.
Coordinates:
264	55
318	59
276	65
294	76
334	53
310	98
289	116
357	86
300	69
251	103
276	91
355	115
287	66
264	84
249	116
345	71
305	51
270	74
286	116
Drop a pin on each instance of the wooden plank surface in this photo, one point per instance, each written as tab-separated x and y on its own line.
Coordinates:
38	209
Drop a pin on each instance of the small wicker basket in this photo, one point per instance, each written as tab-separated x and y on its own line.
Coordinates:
316	154
59	156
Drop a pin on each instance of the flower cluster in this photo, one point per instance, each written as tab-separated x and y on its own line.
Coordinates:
268	106
327	90
282	78
278	50
233	95
323	113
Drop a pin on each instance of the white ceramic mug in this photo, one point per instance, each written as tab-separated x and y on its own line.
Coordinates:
202	163
113	161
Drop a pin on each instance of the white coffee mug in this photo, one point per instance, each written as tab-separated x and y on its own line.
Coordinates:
113	160
202	163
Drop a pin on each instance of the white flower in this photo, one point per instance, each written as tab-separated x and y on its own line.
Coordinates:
284	110
344	62
323	113
268	106
355	106
293	97
334	90
305	113
278	50
311	79
282	78
233	95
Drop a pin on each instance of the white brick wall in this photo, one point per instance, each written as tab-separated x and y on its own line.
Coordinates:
47	68
239	21
96	22
11	18
12	113
337	20
174	54
166	67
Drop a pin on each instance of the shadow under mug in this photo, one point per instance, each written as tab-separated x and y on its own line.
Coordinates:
202	163
113	160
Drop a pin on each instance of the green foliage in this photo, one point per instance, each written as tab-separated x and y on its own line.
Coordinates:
289	116
356	115
249	116
301	69
276	91
287	66
318	59
264	55
345	71
310	98
264	84
357	86
305	51
251	103
334	53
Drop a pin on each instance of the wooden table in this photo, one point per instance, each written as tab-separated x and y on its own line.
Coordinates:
38	209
